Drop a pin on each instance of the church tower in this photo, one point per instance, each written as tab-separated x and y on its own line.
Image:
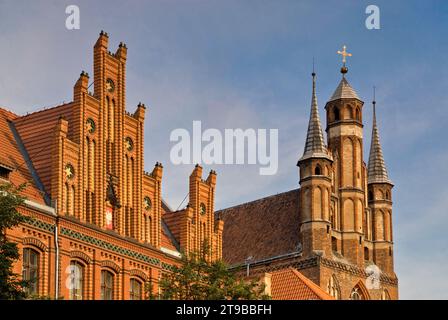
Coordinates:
345	142
380	203
315	186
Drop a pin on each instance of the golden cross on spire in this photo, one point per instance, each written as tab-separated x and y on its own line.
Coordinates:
344	54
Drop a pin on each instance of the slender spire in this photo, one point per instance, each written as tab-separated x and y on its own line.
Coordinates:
377	172
314	145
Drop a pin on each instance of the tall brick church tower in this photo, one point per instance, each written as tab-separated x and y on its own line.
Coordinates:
346	207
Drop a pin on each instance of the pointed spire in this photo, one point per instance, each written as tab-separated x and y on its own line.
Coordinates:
314	145
377	172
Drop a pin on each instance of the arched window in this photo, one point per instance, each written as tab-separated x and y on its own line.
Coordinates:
92	165
336	114
131	181
358	293
334	244
67	199
107	285
76	280
366	253
355	295
136	290
72	201
385	295
318	170
370	195
203	232
332	219
110	107
125	184
147	228
387	195
358	114
333	288
349	114
30	270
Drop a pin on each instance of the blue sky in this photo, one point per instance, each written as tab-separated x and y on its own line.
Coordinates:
247	64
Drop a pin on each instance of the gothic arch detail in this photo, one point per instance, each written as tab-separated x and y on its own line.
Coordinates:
347	154
35	243
333	288
349	215
111	265
81	255
139	274
359	292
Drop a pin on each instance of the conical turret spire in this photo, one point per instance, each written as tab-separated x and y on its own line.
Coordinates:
315	143
377	172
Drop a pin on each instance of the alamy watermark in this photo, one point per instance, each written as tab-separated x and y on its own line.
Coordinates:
373	20
373	277
73	21
235	146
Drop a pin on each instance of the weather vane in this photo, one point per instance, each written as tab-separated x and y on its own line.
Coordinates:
344	55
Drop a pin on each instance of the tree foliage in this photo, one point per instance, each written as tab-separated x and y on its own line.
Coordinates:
197	278
11	286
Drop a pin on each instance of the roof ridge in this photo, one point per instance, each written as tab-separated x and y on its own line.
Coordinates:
312	286
257	200
6	110
20	117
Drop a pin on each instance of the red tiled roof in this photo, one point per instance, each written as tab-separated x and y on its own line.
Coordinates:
290	284
262	229
173	222
167	242
171	234
12	157
37	131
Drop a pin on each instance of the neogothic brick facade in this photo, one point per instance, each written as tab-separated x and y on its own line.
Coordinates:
99	217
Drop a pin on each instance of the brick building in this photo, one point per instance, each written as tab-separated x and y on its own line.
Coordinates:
101	229
336	229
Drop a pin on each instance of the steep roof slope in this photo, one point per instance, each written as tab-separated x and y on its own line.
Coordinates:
262	228
290	284
37	131
13	157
